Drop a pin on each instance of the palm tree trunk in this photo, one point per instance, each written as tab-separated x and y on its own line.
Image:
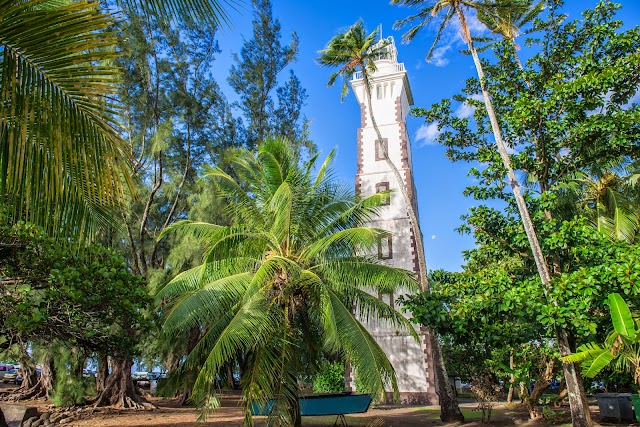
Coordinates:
579	409
449	408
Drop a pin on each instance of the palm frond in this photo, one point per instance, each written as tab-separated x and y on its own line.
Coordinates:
210	301
248	326
362	237
212	12
368	274
368	360
202	231
62	163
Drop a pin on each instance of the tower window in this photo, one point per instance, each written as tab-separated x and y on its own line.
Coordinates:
382	147
380	187
385	248
379	92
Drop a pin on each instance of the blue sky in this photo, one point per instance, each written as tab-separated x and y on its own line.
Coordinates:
334	124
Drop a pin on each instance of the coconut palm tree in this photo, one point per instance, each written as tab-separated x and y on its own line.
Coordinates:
429	10
507	18
279	285
62	161
350	52
608	196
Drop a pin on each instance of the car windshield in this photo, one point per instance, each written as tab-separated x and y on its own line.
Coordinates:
12	371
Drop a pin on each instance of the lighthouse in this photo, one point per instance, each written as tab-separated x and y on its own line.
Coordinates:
391	99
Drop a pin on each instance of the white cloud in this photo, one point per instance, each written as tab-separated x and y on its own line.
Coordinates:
465	110
437	57
452	37
433	237
427	134
475	26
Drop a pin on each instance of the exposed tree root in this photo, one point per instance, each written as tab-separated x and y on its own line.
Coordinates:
35	392
119	391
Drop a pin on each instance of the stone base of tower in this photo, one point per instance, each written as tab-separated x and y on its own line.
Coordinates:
413	364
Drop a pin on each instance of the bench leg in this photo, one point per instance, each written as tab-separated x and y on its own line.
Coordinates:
341	421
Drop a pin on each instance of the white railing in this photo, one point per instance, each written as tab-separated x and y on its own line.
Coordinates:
395	68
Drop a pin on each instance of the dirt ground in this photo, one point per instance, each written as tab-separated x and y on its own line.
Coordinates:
170	414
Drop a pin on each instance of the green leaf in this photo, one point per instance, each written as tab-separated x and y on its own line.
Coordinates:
621	316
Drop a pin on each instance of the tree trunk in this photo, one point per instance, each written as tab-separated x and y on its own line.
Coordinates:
27	368
296	417
119	391
580	415
539	387
31	387
187	390
48	374
230	382
449	408
103	372
512	380
190	377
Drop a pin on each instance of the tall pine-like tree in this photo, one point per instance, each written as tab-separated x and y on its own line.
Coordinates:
268	106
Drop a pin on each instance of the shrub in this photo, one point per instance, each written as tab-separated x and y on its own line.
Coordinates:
330	378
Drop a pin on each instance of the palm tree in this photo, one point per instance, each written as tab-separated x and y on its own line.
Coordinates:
62	162
429	9
508	17
61	159
607	196
354	51
278	286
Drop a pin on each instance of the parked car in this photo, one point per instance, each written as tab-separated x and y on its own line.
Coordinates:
4	369
140	376
12	376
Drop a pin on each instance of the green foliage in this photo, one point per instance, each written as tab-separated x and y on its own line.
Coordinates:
351	51
280	283
57	111
622	345
329	378
564	112
254	77
51	290
69	388
177	120
566	117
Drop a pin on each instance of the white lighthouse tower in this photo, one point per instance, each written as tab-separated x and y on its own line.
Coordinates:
391	98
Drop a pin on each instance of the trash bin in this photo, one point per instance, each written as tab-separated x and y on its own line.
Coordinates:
615	405
636	405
